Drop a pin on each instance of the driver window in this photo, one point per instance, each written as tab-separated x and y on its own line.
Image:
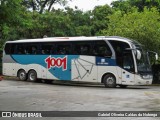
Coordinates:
128	63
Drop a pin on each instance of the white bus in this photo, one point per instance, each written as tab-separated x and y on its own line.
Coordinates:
109	60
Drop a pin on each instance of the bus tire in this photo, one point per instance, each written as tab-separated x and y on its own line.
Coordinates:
22	75
109	81
32	76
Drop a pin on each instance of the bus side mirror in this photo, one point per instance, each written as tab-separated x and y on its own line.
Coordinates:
156	56
138	54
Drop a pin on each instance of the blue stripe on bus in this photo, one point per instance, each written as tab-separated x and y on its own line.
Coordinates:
59	72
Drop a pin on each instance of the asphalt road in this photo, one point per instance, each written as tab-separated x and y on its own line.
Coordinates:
18	95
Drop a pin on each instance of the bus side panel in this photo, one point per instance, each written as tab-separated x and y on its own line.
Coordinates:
119	75
128	78
9	69
8	65
75	71
107	69
43	73
84	69
125	77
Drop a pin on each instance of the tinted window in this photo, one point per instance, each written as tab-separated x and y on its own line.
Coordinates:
93	48
124	57
8	48
102	49
63	48
21	48
82	48
47	48
31	49
128	63
119	47
18	48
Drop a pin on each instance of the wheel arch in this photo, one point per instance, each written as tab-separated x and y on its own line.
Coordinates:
108	73
20	70
31	70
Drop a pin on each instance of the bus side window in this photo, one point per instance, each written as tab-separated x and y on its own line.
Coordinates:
76	48
101	49
92	48
34	49
82	48
9	48
85	49
18	49
46	49
52	50
63	48
31	49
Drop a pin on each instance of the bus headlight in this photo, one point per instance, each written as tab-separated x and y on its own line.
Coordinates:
147	76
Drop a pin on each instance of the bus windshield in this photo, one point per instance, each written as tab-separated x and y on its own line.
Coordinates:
143	64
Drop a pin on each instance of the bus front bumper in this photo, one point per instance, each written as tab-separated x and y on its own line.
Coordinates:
143	80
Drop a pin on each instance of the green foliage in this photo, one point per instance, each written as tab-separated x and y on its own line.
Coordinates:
142	26
10	17
141	4
135	19
41	6
99	18
121	5
125	5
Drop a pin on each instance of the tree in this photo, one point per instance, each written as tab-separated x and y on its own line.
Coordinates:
80	22
141	4
122	5
125	5
99	18
10	17
141	26
41	5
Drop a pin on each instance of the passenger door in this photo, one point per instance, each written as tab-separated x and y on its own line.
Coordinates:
128	70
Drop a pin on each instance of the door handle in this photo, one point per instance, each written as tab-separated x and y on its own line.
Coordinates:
124	72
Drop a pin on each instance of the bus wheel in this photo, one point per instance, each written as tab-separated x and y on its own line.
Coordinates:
109	81
32	76
22	75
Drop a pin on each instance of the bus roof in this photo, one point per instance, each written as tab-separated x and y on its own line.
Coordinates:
82	38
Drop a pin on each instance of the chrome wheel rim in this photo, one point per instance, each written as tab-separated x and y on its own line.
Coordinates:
22	75
32	77
110	81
